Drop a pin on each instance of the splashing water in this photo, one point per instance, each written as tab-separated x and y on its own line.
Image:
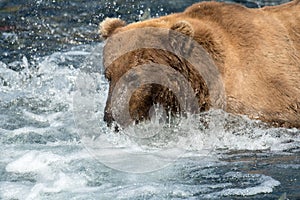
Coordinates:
44	155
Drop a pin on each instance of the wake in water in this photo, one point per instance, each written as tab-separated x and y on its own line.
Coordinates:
50	149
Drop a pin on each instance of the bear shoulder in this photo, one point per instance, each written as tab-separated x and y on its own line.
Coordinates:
213	9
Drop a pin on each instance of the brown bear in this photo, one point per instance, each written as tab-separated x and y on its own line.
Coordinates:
255	51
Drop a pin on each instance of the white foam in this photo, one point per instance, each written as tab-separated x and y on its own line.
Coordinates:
9	190
40	161
34	161
266	186
77	53
51	178
63	182
188	136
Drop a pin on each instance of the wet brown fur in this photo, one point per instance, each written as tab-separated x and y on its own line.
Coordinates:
257	52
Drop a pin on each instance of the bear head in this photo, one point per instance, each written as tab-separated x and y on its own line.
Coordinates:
153	63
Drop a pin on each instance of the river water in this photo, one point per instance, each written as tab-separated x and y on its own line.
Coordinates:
50	150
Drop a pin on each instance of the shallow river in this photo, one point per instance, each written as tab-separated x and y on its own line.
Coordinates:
52	149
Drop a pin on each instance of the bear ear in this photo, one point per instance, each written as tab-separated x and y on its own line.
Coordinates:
109	25
183	27
181	37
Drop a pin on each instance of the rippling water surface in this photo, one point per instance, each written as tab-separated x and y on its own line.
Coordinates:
47	153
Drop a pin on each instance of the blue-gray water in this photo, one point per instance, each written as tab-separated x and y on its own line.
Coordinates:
46	46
